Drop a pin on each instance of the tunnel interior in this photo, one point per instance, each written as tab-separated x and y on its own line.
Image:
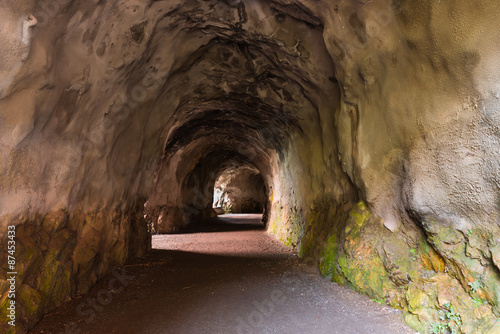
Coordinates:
372	126
240	190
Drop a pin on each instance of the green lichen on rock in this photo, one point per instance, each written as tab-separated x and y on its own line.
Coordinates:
294	227
30	300
366	275
495	255
359	263
313	228
491	279
47	249
468	258
430	259
491	326
307	242
358	217
416	298
410	275
329	256
429	298
276	218
286	224
55	221
54	282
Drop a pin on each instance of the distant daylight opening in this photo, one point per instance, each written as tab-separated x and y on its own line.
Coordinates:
239	190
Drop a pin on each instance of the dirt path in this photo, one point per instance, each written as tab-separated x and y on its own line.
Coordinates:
237	280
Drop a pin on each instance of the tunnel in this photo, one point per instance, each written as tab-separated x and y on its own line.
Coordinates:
370	130
240	190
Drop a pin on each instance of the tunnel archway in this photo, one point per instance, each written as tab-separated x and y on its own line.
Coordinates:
107	105
240	190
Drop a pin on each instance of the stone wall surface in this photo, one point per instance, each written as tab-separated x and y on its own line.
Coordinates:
374	125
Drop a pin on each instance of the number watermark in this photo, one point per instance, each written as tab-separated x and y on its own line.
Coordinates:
11	275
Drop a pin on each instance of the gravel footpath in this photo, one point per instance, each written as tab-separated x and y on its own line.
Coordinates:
227	276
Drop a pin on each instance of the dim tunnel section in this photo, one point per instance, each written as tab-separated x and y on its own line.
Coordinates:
251	101
224	141
239	190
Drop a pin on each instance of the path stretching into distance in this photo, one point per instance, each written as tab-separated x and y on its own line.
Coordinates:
227	276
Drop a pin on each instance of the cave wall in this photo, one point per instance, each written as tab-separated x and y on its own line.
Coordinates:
418	137
373	124
420	106
60	255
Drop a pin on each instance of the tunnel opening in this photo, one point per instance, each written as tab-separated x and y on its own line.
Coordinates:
240	190
184	191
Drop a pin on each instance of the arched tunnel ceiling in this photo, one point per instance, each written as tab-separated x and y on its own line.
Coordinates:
252	80
172	71
249	126
251	87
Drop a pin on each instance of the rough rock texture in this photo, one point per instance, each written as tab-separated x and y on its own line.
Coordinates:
59	255
240	190
374	124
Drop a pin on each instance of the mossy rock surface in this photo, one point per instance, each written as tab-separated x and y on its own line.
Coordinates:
30	299
50	247
495	255
430	259
329	256
414	276
360	263
491	286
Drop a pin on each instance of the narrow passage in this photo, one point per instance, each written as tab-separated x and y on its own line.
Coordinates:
225	276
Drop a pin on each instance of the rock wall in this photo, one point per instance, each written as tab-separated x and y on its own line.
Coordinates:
60	255
417	136
374	126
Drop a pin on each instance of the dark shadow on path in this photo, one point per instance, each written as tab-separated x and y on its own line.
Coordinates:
226	223
169	292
